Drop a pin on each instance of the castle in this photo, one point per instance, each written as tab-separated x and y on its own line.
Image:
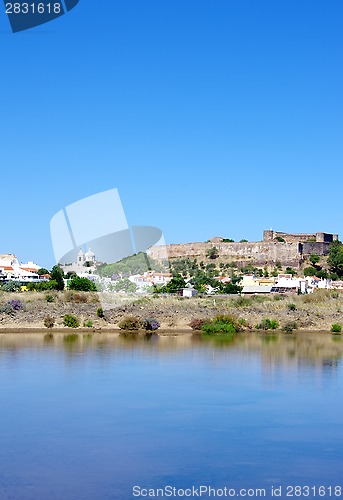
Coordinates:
287	248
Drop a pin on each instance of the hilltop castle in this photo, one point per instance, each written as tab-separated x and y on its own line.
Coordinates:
287	248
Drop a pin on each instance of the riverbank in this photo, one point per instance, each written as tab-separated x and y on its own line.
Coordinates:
315	312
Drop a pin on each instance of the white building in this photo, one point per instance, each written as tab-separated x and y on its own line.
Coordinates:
85	263
10	269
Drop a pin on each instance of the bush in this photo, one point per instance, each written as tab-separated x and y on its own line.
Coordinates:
242	302
100	312
6	309
336	328
290	326
292	307
17	305
11	286
215	328
76	297
88	324
49	322
226	319
130	323
268	324
196	323
71	321
222	323
150	324
12	307
50	298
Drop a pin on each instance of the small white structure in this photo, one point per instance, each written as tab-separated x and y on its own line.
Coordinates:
189	292
150	278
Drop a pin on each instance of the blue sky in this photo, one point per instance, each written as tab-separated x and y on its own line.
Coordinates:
210	117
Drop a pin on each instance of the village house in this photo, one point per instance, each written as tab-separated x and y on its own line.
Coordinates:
150	278
10	269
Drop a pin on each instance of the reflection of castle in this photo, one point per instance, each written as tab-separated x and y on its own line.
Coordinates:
85	263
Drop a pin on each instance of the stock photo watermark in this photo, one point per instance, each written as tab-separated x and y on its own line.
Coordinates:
94	233
24	15
206	491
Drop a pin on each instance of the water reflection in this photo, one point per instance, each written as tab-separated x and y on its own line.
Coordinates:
90	415
296	349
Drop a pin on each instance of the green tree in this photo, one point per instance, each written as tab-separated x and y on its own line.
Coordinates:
56	274
310	271
174	284
124	285
335	259
314	259
42	270
289	270
82	284
212	253
231	288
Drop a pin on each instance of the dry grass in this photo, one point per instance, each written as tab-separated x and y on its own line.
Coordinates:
312	312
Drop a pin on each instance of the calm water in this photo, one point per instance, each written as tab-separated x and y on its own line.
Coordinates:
93	417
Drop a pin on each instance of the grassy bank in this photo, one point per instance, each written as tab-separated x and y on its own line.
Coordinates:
310	312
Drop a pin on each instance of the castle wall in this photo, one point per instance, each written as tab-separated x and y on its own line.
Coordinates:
312	247
270	235
258	253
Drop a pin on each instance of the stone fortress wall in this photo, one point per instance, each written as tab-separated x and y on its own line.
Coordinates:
270	235
291	253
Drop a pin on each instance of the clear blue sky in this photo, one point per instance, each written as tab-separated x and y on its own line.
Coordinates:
221	117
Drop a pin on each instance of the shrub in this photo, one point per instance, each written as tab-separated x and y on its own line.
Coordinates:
336	328
88	324
71	321
11	286
49	322
100	312
50	298
290	326
7	308
226	319
292	307
12	307
268	324
16	305
150	324
130	323
242	302
222	323
196	323
215	328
